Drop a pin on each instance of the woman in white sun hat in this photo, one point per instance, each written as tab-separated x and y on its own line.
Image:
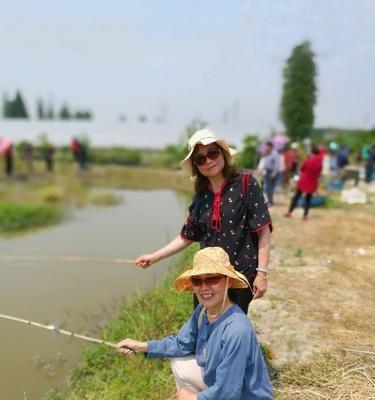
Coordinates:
228	210
216	355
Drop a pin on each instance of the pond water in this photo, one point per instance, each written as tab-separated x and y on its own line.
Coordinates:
79	297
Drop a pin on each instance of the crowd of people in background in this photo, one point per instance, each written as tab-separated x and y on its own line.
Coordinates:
279	165
282	166
26	152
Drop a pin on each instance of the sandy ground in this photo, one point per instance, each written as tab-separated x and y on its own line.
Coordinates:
322	287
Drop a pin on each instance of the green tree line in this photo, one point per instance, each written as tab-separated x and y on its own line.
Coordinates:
16	108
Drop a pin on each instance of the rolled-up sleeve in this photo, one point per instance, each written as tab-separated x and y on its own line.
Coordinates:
176	346
258	214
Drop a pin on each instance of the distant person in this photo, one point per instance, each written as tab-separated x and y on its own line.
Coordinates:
28	157
342	160
307	183
295	158
8	156
79	153
370	164
82	156
228	210
269	169
49	157
216	354
74	146
330	168
288	156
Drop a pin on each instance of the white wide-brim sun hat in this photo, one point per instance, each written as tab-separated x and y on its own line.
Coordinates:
205	137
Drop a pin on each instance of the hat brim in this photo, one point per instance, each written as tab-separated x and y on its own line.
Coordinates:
183	282
187	163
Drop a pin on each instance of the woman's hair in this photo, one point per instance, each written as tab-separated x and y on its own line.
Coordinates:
201	182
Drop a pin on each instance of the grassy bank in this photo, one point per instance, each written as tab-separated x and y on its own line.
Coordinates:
106	375
15	217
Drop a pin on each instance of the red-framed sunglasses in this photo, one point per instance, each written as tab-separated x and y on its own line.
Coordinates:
212	154
209	280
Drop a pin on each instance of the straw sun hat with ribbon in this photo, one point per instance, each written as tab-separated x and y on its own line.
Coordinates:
211	260
205	137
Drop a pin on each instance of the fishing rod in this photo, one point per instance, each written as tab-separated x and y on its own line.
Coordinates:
72	259
57	330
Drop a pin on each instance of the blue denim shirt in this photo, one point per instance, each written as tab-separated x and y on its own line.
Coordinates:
228	351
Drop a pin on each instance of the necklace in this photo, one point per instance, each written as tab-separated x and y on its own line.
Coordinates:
213	317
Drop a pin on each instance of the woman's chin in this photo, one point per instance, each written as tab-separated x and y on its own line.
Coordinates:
207	303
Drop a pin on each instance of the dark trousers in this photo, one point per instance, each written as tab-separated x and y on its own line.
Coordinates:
49	164
369	171
242	297
295	199
269	185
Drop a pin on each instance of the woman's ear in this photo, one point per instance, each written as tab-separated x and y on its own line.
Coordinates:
230	283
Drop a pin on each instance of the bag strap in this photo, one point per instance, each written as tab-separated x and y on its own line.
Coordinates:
245	185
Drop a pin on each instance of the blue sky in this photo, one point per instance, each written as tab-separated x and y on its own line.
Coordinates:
218	60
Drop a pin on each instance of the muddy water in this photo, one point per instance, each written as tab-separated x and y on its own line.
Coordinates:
80	297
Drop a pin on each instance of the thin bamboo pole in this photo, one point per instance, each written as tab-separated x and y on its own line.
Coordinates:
57	330
370	353
66	259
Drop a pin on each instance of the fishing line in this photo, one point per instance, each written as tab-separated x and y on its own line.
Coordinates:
56	330
71	259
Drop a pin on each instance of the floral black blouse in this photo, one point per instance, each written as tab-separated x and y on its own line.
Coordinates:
230	219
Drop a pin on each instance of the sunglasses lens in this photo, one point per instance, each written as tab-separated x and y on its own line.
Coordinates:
212	280
209	281
212	154
200	160
196	281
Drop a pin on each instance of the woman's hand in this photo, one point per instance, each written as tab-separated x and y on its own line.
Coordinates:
129	346
145	261
175	246
186	394
260	285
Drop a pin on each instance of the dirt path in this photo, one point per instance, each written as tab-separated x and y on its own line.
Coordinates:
322	286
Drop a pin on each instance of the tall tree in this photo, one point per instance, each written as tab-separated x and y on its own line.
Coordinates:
40	109
64	112
14	108
299	92
18	107
50	114
5	105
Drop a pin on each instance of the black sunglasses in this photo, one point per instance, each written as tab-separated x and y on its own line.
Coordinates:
209	281
212	154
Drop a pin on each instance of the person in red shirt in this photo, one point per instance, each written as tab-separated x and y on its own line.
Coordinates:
308	182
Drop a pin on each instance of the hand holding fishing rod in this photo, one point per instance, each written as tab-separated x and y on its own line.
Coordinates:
174	247
130	346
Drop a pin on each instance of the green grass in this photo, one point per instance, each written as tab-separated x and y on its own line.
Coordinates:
14	217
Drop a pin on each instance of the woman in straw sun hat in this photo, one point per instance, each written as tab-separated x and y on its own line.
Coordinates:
216	355
228	210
